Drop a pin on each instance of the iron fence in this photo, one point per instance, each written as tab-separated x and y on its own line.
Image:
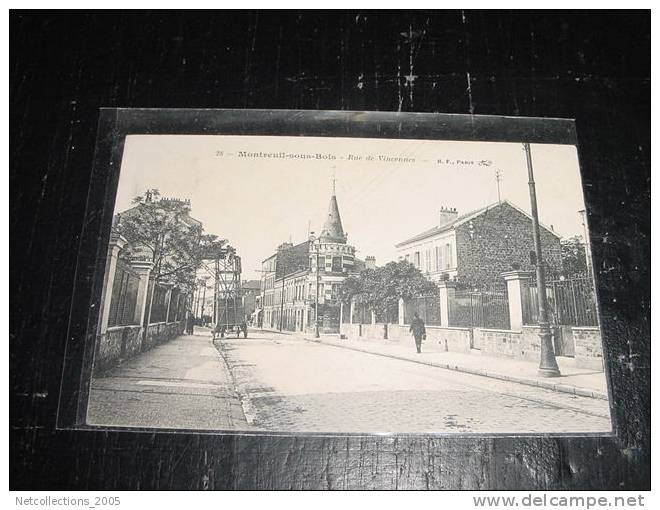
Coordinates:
571	302
158	305
480	308
177	306
361	314
124	296
427	307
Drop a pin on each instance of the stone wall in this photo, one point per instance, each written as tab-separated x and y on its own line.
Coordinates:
588	348
438	339
152	336
531	342
524	345
373	331
451	339
108	348
124	342
498	342
349	330
131	341
500	238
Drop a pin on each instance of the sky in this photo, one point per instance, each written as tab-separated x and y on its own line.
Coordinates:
257	202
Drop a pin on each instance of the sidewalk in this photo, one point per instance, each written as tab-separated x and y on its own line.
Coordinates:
183	383
573	380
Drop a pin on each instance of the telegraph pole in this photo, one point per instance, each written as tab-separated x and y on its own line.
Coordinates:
587	244
216	285
203	301
548	365
284	270
317	333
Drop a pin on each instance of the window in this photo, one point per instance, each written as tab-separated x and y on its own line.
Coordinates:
448	256
336	264
416	260
427	260
321	263
438	259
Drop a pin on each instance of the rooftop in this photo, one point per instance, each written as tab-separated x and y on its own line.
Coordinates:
333	231
463	218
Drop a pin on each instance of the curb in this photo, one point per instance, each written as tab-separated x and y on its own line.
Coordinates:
562	388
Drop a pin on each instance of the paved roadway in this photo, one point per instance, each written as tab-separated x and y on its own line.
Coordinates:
289	384
277	382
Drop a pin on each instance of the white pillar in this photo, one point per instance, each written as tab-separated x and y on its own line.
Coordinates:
516	281
116	244
446	293
373	317
143	269
402	311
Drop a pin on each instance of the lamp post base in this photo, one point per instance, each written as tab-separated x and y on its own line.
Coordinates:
548	366
549	372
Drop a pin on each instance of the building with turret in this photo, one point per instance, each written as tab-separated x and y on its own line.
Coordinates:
299	279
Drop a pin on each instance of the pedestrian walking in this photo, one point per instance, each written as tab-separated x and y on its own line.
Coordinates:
418	330
190	324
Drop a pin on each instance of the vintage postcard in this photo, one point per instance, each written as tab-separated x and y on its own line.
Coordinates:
302	284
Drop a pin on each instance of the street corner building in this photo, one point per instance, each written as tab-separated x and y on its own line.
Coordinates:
483	263
477	247
301	283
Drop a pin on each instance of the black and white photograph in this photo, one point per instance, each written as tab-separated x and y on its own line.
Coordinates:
340	247
348	285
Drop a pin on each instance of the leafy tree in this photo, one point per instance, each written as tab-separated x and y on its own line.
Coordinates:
381	288
162	232
573	256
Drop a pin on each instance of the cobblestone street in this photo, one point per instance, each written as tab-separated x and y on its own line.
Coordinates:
289	384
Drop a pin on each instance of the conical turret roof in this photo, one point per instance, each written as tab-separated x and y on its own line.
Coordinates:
332	228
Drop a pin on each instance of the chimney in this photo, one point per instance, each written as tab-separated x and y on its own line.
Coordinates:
447	215
370	262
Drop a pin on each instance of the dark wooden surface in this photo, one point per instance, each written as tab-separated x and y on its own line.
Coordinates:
594	67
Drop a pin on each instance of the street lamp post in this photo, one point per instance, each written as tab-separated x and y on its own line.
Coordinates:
548	365
203	301
318	276
282	300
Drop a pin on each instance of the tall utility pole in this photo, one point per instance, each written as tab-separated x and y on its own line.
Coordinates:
284	269
548	365
203	301
587	244
312	239
216	285
317	333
